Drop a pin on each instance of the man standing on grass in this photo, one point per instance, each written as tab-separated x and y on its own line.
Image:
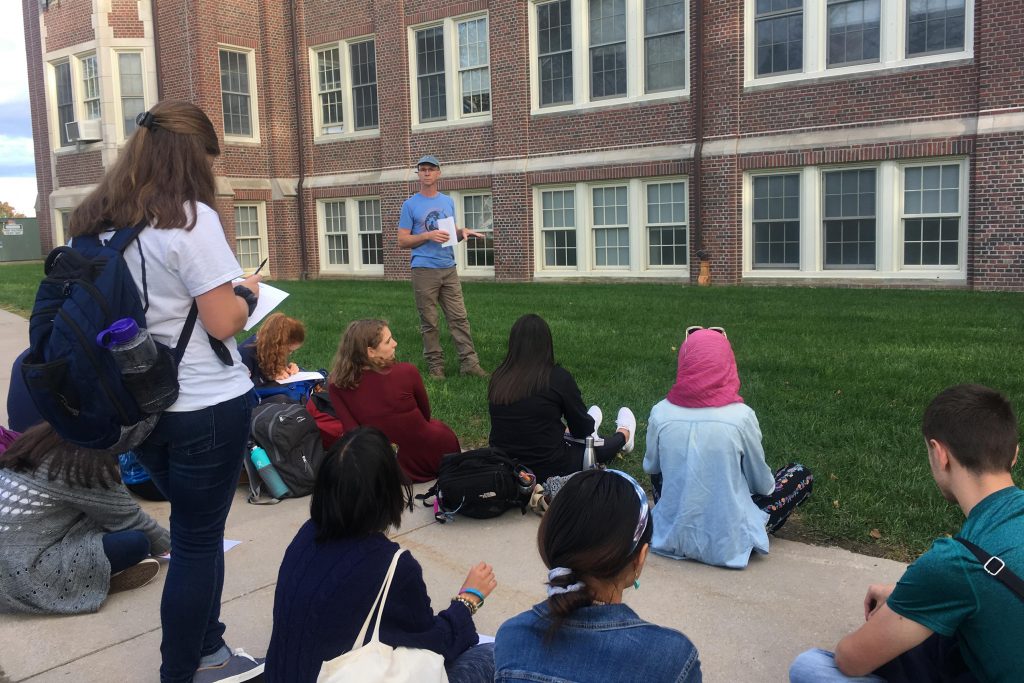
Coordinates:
952	616
434	280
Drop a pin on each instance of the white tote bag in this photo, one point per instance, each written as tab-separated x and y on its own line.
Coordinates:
376	662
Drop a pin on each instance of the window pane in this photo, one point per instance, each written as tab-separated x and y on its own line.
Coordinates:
247	236
611	228
363	58
849	225
777	221
607	48
329	86
371	242
558	226
853	31
477	216
779	36
90	87
666	224
554	52
65	100
474	72
935	26
337	235
430	73
234	86
931	242
129	69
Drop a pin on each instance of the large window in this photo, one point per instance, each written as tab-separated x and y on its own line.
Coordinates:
90	87
632	227
346	87
76	97
931	215
599	51
65	100
885	220
788	40
237	88
451	70
351	239
133	98
777	221
476	215
250	235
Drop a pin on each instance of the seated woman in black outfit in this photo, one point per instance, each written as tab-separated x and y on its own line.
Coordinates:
529	397
334	567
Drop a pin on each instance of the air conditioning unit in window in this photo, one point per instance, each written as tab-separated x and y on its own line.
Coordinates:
83	131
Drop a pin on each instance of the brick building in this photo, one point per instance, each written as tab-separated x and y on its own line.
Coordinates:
851	141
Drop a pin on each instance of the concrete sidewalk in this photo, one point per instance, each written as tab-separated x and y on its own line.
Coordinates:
748	625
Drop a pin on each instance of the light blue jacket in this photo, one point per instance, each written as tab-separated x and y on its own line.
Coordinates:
596	644
712	461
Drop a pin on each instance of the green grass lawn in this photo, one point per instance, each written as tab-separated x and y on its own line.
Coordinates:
838	377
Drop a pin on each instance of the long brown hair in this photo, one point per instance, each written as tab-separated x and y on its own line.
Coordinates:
162	168
273	342
83	467
351	357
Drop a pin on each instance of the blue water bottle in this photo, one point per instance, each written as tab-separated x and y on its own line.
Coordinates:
269	475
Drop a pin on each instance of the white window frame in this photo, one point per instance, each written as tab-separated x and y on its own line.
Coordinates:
254	96
892	45
461	257
347	126
672	268
639	247
888	225
74	61
84	111
261	217
355	266
635	60
453	88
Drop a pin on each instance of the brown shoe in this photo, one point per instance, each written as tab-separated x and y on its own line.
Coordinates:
436	373
476	371
134	577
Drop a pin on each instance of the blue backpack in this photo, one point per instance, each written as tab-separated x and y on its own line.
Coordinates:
75	384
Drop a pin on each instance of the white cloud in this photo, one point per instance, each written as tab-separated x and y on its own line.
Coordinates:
14	75
16	153
19	193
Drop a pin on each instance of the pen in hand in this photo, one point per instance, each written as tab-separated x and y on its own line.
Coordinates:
261	266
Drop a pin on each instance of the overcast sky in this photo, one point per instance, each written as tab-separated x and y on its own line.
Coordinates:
17	166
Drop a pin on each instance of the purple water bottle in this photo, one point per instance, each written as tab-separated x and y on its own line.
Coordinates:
136	355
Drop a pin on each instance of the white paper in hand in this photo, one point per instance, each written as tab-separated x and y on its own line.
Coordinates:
270	298
448	225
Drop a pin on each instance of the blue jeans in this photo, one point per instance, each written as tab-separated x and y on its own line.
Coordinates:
936	660
125	549
195	458
475	665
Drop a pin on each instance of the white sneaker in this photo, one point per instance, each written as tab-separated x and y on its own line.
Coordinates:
595	412
627	420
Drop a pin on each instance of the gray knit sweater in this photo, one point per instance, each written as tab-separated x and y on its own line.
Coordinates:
51	541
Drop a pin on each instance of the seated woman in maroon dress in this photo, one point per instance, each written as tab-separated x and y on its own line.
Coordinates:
368	386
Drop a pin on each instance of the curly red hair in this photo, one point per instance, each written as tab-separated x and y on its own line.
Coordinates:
274	341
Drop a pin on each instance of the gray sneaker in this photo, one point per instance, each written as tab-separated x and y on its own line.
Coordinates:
240	667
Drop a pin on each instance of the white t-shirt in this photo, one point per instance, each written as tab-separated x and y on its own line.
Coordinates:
181	265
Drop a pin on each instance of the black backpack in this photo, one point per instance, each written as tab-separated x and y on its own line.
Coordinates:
291	438
482	483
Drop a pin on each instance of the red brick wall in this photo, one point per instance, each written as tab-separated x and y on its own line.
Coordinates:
68	23
124	19
996	247
84	168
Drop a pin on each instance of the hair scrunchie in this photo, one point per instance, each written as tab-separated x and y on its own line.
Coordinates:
146	120
558	572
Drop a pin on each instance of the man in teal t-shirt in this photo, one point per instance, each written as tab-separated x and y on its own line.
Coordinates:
434	278
948	619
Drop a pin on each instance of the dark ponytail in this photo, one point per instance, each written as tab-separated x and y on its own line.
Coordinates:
588	530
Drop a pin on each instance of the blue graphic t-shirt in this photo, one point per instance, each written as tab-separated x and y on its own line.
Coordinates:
420	214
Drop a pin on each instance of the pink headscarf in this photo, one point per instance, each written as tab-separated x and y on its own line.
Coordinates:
706	376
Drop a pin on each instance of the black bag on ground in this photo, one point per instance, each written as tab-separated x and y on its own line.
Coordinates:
289	435
481	483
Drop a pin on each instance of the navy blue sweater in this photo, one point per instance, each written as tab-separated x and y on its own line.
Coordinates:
324	592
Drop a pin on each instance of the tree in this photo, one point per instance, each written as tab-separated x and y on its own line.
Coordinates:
7	211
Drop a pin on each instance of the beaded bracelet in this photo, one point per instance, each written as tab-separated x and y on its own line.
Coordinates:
469	605
475	593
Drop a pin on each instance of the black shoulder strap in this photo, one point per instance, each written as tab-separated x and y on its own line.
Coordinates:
994	566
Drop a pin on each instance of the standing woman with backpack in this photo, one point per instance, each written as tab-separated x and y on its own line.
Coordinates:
164	179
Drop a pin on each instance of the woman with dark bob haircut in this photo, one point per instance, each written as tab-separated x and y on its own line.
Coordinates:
594	539
537	412
335	566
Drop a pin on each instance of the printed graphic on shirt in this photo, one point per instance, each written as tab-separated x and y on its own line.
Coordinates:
430	222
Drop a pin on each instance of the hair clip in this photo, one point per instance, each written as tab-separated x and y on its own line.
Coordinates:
146	120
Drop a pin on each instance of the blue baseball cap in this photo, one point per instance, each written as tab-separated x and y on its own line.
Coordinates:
428	159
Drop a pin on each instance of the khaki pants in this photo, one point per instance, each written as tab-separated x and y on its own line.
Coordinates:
433	286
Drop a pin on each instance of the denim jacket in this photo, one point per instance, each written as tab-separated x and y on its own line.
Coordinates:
597	644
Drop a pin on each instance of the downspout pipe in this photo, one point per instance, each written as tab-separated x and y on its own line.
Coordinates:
300	143
697	105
